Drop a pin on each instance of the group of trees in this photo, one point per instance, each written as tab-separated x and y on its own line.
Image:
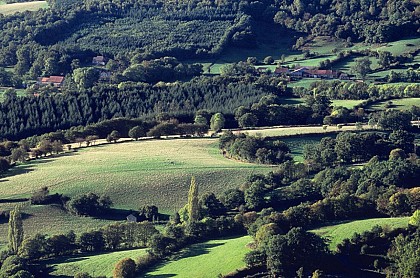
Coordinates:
350	147
89	204
254	149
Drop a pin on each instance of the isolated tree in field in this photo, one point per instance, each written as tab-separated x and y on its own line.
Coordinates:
57	146
362	67
217	122
113	136
125	268
193	206
15	234
19	154
91	139
45	147
136	132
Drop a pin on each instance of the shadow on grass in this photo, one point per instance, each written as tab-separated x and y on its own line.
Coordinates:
29	165
192	251
115	214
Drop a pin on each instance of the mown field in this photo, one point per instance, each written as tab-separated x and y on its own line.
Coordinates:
133	174
208	259
95	265
7	9
335	234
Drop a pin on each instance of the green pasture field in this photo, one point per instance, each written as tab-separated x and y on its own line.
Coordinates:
347	103
50	220
401	46
208	259
96	265
133	174
335	234
297	144
7	9
401	104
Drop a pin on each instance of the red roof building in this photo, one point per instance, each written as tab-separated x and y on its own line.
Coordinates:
56	81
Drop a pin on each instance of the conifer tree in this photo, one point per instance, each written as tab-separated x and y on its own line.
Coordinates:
15	233
193	209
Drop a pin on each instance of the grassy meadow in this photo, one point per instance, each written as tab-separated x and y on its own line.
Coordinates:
208	259
335	234
7	9
133	174
95	265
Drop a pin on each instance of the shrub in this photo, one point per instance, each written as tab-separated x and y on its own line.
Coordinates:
125	268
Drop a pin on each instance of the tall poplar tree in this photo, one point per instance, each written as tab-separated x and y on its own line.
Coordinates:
15	233
193	209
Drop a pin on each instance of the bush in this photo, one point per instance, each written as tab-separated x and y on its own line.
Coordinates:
125	268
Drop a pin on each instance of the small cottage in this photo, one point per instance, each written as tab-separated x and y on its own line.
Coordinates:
56	81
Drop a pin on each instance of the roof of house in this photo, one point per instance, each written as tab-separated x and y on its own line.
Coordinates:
52	79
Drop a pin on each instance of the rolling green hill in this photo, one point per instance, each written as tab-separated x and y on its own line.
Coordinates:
133	174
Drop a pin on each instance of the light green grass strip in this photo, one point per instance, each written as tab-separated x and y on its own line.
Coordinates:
335	234
207	259
96	265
